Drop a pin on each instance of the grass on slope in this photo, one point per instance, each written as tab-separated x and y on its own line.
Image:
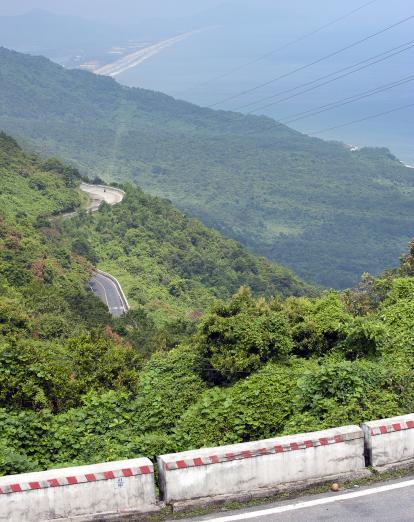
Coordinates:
42	284
75	386
30	187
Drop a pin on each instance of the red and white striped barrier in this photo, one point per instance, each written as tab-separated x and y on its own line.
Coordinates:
111	488
383	429
16	487
268	448
390	442
116	489
250	467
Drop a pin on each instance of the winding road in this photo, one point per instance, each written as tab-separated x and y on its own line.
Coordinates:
105	286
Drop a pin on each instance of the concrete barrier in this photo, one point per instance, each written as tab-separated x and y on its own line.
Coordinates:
390	442
107	490
259	468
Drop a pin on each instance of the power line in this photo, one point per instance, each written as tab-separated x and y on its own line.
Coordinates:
278	123
368	62
346	101
339	103
363	119
319	60
288	44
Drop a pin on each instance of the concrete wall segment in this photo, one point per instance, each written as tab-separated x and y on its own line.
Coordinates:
113	487
247	467
389	441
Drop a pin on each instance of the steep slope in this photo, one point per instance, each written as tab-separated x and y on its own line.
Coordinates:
78	387
328	213
169	264
42	282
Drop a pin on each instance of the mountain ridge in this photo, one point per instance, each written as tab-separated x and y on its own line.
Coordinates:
326	212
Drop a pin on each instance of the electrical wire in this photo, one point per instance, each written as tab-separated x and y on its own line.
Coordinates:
315	62
288	44
368	62
363	119
276	123
345	101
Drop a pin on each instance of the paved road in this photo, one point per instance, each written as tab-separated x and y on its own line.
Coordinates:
392	501
97	194
101	285
108	293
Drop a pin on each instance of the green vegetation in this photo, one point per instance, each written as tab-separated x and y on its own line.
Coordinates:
328	213
62	357
171	266
77	386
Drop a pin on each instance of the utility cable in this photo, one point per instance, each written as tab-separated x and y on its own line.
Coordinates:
363	119
315	62
288	44
279	123
345	101
359	66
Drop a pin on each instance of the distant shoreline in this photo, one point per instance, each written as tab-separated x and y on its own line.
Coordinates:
136	58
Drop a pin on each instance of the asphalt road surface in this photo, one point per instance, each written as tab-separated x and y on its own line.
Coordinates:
98	194
391	501
100	284
108	293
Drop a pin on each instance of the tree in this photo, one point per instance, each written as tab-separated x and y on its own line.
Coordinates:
317	325
237	338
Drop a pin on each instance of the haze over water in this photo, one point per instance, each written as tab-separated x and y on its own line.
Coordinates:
191	70
204	67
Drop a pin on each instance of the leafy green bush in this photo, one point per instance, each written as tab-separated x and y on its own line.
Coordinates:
238	337
254	408
318	325
168	385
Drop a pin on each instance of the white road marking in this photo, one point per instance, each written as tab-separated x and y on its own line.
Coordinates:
119	296
112	196
316	502
106	296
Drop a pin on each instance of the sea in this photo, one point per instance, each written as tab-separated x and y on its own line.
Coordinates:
268	67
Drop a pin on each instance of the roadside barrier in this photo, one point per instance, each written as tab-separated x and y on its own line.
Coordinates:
114	490
108	489
390	442
114	189
260	467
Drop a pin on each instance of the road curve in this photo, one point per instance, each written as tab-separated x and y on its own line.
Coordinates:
109	293
103	285
99	193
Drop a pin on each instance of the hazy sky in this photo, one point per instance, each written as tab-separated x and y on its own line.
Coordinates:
119	10
135	10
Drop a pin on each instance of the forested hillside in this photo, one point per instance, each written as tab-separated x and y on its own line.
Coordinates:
328	213
169	264
58	345
77	386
